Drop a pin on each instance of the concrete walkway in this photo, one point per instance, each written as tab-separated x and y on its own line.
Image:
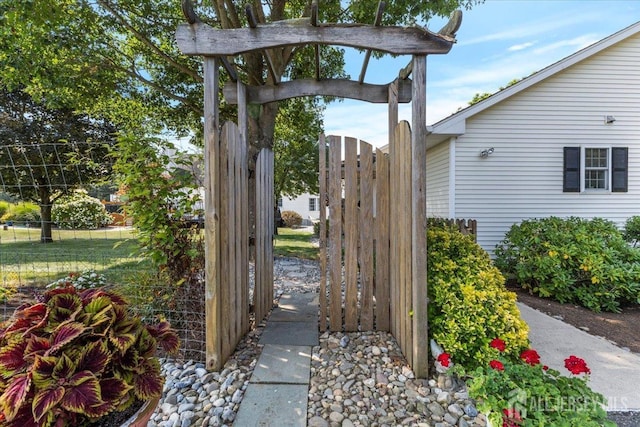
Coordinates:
615	373
278	389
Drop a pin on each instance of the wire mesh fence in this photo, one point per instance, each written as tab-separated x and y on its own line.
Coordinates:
51	231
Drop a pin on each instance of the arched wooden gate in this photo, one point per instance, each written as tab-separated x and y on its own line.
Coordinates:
226	295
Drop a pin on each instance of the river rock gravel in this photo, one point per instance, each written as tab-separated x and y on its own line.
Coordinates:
357	379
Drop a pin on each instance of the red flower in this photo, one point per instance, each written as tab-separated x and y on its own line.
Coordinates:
497	365
511	418
497	343
531	357
576	366
444	359
545	368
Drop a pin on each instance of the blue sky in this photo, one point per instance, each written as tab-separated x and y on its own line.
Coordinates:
499	40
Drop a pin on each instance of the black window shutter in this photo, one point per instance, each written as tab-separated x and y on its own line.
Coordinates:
571	181
619	169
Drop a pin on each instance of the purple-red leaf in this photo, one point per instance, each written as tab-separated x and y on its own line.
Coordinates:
83	392
166	337
45	400
37	345
64	334
149	384
94	357
15	395
12	358
43	368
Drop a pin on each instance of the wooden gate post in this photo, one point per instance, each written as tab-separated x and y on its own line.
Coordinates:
213	344
419	217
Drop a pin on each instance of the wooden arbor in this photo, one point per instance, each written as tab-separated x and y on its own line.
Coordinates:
217	46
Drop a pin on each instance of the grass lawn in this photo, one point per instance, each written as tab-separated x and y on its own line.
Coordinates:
26	261
295	243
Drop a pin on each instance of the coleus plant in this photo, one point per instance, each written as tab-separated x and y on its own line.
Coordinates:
75	356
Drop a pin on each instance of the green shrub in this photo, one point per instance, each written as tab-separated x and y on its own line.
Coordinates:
23	212
79	211
632	230
573	260
4	207
468	304
291	219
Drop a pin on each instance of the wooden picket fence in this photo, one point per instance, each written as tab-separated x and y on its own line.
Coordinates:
263	289
353	234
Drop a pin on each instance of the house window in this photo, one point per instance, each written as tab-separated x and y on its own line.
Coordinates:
313	204
280	202
602	169
596	168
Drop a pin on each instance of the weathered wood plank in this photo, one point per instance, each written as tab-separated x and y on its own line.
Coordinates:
403	143
394	178
212	227
335	233
235	204
269	234
351	234
419	219
382	242
244	209
366	227
225	279
322	168
201	39
330	87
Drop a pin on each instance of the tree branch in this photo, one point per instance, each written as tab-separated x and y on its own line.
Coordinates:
193	74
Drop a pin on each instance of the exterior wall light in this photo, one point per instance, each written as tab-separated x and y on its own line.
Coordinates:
609	119
485	153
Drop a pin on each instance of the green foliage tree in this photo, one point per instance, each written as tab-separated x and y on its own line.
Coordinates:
47	152
482	96
119	57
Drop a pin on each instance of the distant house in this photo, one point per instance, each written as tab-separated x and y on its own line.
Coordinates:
564	141
307	205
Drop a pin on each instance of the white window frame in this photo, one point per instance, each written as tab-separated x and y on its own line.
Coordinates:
315	201
583	169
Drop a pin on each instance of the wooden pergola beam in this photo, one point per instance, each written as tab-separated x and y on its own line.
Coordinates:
351	89
367	55
201	39
253	24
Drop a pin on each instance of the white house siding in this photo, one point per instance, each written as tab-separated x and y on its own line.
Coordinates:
523	177
438	181
301	205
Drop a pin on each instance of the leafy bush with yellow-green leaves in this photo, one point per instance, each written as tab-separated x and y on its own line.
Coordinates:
573	260
468	303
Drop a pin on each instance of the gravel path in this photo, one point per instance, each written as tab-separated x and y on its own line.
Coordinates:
357	379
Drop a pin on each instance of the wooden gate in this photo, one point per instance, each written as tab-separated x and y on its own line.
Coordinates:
366	253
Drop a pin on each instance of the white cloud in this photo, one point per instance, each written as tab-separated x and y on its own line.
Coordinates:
520	46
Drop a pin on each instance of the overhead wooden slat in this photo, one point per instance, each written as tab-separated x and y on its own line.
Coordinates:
253	24
342	88
201	39
367	55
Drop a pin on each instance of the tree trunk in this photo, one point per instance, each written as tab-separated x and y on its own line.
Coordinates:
45	215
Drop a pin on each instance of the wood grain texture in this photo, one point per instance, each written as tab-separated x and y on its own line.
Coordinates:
351	218
211	216
201	39
323	232
382	254
420	346
394	211
335	233
366	230
330	87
